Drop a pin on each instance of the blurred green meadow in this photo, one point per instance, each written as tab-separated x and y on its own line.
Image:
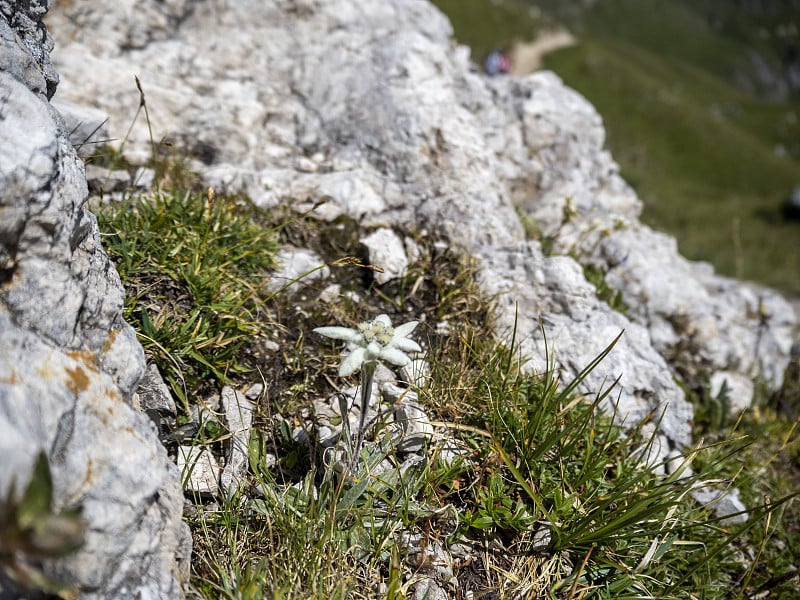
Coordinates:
712	151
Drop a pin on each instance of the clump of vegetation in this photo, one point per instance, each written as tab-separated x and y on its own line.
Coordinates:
194	268
32	533
542	493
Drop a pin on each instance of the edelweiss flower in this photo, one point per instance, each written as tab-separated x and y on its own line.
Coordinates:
374	340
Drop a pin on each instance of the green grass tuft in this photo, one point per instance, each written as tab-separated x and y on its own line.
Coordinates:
193	269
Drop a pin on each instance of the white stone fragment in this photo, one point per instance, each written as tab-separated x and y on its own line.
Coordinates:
428	589
725	503
413	251
386	250
87	126
739	390
199	470
107	180
331	294
417	428
239	417
154	394
254	391
144	177
416	373
297	266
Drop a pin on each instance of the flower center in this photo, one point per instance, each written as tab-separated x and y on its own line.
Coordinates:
376	331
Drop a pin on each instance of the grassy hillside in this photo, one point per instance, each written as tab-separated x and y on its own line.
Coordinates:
711	162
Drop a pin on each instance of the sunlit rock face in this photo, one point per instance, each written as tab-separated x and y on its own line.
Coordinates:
68	361
369	109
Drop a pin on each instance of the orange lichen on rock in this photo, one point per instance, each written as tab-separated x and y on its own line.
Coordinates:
78	380
87	357
10	378
112	337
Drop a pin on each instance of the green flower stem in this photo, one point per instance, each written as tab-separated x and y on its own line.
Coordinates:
367	375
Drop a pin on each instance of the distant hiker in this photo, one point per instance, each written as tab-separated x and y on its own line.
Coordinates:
498	61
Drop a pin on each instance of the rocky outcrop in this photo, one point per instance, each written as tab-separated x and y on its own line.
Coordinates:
696	319
68	360
369	109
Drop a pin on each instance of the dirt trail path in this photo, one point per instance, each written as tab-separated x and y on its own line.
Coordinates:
526	57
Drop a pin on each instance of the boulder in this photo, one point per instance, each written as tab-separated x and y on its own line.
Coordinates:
369	109
68	361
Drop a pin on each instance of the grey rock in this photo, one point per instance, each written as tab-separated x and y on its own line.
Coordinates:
725	503
60	283
154	394
396	394
427	556
739	390
386	251
104	456
87	126
61	309
254	391
143	178
102	180
533	289
428	589
450	449
542	537
654	451
581	202
239	417
416	373
199	469
417	428
330	418
297	267
331	294
25	46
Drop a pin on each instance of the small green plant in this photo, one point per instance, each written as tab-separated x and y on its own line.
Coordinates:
561	483
30	532
193	268
374	340
597	277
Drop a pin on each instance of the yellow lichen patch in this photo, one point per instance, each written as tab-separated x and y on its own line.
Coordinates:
88	357
10	378
110	340
77	380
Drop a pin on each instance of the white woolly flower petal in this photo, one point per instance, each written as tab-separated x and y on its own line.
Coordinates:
405	344
383	319
394	356
353	362
339	333
373	351
403	330
373	341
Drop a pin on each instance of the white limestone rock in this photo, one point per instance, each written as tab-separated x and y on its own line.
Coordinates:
103	180
532	289
738	390
199	469
417	372
239	418
153	393
725	503
87	126
61	309
297	267
386	250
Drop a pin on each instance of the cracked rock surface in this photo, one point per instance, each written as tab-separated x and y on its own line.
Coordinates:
68	361
380	116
